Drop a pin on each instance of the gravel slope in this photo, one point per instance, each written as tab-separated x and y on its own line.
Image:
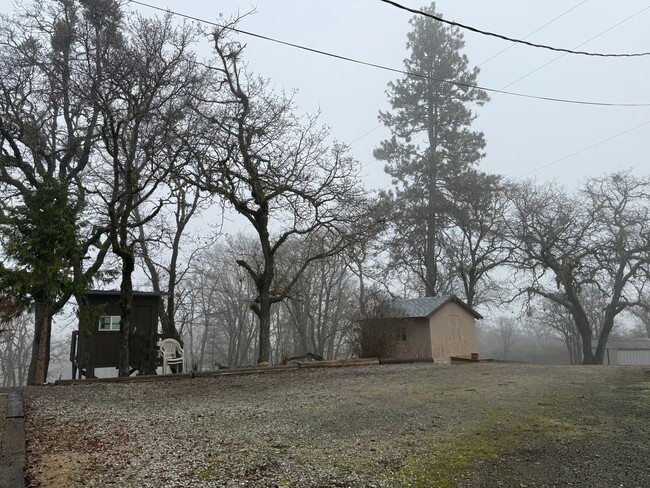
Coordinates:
399	425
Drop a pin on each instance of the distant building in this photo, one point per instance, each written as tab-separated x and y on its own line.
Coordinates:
626	352
96	344
430	327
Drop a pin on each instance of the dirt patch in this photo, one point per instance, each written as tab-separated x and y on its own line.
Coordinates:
387	426
60	470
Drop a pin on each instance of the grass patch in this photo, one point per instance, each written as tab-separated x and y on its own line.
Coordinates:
439	467
495	436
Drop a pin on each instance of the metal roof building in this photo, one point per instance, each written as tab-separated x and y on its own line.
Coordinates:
629	351
425	307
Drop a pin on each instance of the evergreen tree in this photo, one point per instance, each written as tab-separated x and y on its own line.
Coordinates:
39	238
431	148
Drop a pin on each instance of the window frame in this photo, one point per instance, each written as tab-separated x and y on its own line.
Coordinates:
401	335
112	324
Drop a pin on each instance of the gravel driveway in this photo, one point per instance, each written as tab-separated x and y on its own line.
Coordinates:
421	425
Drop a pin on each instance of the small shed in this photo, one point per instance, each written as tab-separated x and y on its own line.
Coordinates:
96	343
429	327
626	352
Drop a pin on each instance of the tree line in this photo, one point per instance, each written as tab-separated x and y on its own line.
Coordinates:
116	137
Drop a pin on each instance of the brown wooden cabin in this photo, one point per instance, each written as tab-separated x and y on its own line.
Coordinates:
96	343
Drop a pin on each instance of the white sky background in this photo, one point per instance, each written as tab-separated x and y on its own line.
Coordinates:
522	134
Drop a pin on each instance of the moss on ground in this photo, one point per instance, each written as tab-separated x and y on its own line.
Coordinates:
500	433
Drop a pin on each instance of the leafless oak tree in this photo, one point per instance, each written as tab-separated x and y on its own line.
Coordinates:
154	77
597	238
276	170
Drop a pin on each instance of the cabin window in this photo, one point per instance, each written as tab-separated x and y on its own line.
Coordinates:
109	322
401	336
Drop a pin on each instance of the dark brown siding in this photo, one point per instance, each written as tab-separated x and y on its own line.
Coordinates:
104	345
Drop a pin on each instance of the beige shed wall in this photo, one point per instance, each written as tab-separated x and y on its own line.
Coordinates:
453	333
418	341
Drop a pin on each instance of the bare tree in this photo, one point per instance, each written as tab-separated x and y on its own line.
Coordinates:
556	321
154	78
52	60
473	242
167	251
15	346
644	321
375	331
223	329
597	238
321	309
275	169
506	332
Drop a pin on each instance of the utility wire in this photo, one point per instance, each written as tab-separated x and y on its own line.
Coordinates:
559	57
579	45
344	58
585	149
388	68
534	32
511	39
494	56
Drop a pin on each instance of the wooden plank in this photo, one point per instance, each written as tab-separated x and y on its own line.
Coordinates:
404	360
229	371
125	379
335	363
251	370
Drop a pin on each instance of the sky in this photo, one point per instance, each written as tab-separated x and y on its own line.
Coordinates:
525	137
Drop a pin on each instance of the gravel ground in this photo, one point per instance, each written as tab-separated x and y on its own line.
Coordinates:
420	425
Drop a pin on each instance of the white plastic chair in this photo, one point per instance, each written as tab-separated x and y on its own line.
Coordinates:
171	353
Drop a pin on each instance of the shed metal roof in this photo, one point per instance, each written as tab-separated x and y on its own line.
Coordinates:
425	307
632	344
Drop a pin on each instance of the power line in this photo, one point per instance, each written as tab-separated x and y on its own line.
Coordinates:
512	39
585	149
366	134
534	32
344	58
496	55
579	45
388	68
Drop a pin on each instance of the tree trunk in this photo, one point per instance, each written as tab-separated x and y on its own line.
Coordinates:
582	324
126	306
204	341
430	252
31	374
40	352
608	325
586	336
432	190
43	343
264	315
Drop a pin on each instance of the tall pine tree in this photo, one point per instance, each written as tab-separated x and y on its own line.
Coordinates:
431	147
